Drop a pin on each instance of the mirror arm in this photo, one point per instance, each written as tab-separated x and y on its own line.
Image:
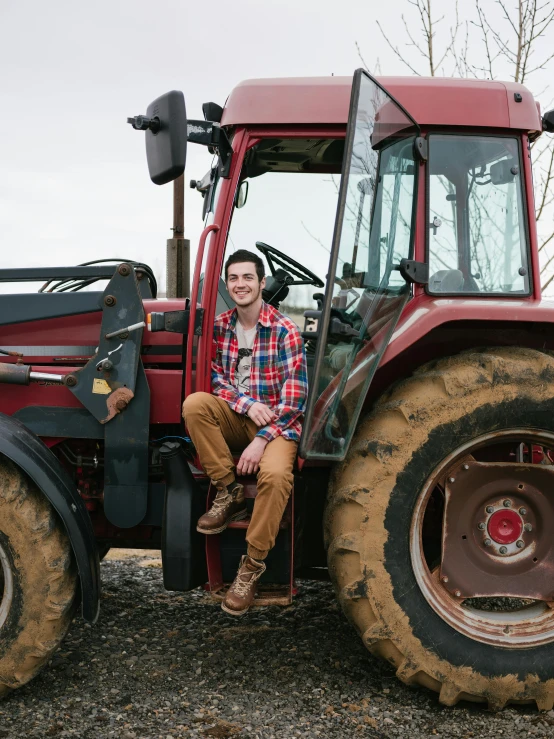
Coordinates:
212	135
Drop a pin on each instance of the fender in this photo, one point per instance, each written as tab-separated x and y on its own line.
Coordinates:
29	453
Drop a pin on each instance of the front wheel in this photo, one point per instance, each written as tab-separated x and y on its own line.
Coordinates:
38	579
448	577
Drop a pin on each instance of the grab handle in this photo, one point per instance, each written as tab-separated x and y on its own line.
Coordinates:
193	302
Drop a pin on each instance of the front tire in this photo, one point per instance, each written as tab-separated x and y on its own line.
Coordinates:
38	579
370	515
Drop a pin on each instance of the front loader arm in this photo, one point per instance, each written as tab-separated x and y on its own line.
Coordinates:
105	386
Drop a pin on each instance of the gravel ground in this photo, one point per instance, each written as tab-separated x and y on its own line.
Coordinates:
161	665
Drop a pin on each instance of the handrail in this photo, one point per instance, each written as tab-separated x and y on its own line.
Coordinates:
193	302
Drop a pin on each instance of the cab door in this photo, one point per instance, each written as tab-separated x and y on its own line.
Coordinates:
365	293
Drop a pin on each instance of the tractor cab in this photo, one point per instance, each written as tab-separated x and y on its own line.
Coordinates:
423	196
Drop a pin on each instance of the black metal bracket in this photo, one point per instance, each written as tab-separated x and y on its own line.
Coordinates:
413	271
126	457
113	369
211	134
337	328
112	386
69	423
34	274
176	321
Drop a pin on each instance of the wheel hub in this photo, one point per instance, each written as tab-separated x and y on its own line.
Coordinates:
496	540
505	526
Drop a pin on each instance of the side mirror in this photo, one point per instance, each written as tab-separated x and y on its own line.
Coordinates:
165	124
548	121
242	195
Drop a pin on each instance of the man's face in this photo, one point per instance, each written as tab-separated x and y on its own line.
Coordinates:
243	284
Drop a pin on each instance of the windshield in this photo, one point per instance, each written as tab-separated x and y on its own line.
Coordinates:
292	199
477	237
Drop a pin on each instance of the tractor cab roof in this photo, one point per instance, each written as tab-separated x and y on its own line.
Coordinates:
431	101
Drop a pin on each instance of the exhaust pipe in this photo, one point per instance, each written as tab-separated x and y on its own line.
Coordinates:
183	548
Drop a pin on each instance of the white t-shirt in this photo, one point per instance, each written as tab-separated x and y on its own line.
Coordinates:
245	340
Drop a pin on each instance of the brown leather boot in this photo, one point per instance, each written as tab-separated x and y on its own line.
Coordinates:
240	595
229	505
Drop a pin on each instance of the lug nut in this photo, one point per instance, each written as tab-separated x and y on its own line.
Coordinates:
451	479
528	527
503	550
444	578
523	511
519	544
489	509
481	526
487	542
507	504
457	593
466	467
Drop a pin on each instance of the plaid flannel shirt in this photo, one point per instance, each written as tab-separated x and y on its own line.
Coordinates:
278	376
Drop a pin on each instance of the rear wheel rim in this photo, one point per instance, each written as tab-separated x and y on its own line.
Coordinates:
528	626
6	586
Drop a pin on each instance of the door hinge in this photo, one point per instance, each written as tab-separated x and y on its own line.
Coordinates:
413	271
421	149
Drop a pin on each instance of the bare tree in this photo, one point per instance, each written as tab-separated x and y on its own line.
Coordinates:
507	48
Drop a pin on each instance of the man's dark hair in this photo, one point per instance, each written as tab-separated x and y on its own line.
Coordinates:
243	255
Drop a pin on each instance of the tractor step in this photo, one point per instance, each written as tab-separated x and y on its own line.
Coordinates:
224	551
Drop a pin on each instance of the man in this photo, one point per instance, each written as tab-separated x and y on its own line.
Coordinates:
259	386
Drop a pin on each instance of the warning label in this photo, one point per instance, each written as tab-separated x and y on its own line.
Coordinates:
101	387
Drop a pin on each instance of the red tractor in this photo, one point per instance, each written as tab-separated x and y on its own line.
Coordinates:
425	476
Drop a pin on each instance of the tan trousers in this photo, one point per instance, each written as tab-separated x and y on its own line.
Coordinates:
216	431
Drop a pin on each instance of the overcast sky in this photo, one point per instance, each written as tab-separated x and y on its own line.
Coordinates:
74	184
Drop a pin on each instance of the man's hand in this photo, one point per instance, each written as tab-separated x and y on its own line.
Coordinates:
249	461
261	414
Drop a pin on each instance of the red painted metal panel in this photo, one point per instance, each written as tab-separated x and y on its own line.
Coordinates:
431	101
165	394
74	338
425	312
193	307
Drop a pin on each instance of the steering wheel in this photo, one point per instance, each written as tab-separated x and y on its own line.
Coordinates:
274	256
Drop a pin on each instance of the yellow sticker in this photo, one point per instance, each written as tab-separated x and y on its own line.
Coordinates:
101	387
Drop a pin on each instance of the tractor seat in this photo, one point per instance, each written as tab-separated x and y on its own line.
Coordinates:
446	281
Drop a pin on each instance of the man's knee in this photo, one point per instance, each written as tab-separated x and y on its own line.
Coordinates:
196	403
277	463
275	474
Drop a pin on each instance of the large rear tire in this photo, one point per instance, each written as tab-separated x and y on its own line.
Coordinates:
38	579
370	514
